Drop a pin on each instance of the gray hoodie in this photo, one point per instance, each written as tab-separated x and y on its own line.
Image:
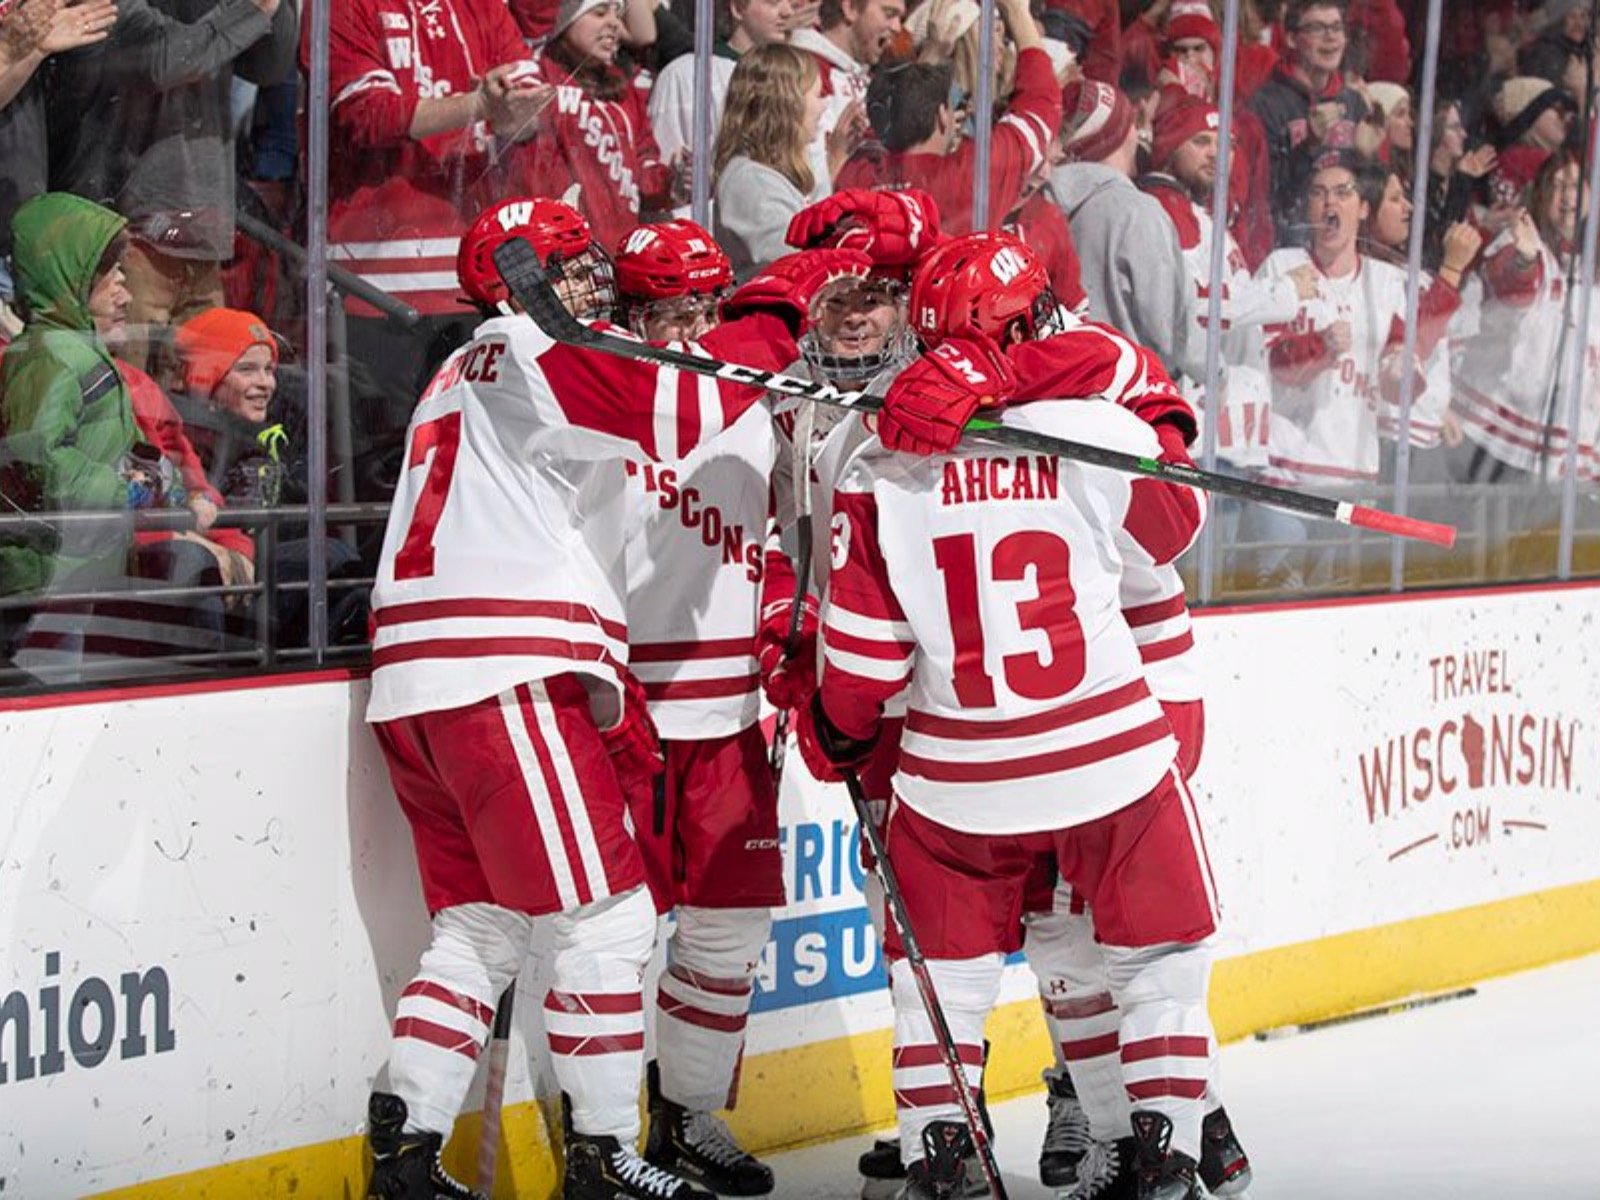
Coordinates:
1131	262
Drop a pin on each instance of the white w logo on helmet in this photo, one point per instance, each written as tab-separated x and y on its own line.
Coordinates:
515	214
1006	265
638	240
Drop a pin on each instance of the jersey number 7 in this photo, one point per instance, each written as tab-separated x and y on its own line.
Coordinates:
1052	610
441	436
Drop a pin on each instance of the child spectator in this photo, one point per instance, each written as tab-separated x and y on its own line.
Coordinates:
761	168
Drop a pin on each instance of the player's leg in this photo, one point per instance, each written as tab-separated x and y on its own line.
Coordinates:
1087	1100
963	897
1145	875
729	878
477	947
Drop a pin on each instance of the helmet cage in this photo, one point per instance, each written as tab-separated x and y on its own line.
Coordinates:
687	308
899	345
585	281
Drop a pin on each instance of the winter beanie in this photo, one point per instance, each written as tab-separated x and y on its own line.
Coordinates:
1521	101
1180	118
1190	19
212	342
1098	119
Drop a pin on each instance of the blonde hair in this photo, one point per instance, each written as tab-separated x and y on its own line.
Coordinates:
965	58
762	116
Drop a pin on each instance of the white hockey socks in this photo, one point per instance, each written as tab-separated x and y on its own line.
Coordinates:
594	1011
923	1092
703	1002
1167	1041
1083	1018
445	1013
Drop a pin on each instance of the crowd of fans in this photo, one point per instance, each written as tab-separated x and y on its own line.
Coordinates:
144	142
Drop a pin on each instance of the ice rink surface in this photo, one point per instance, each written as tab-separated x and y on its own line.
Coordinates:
1491	1097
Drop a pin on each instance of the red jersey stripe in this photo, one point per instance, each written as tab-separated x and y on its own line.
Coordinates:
868	647
1001	770
488	647
963	728
439	610
584	1047
595	1003
689	1014
1078	1010
930	1056
651	652
1151	614
1169	648
558	798
1095	1047
700	689
1183	1089
1177	1046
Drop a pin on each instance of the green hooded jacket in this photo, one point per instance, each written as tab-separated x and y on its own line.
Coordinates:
66	419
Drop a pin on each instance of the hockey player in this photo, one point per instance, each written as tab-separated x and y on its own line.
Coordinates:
1103	801
708	827
502	701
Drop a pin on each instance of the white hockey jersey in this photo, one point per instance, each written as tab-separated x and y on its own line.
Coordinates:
1505	376
987	582
1324	427
696	535
503	560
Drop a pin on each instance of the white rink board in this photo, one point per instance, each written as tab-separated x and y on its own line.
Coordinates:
244	843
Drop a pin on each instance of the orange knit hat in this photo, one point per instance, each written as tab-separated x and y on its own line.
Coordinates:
216	339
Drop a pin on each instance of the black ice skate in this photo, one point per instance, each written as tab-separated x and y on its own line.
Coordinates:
1224	1166
882	1172
698	1146
602	1168
1106	1172
1066	1137
942	1173
1163	1173
405	1166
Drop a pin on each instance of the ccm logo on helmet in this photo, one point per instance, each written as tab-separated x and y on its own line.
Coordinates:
1006	265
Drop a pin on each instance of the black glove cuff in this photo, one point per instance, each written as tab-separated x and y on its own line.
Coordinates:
839	749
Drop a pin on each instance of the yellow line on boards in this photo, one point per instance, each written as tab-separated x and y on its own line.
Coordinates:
829	1089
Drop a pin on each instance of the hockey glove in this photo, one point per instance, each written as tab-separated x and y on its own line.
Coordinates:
633	743
787	287
789	680
894	228
829	755
930	402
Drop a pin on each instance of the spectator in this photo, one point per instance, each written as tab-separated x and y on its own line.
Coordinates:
1508	377
761	168
1103	61
1533	118
598	149
250	439
1386	237
1306	104
1183	163
1378	31
919	140
1326	363
30	32
417	97
161	146
1131	264
1454	173
1391	117
850	39
750	23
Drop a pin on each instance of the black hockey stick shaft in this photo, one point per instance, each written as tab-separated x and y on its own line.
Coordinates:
494	1090
925	987
519	267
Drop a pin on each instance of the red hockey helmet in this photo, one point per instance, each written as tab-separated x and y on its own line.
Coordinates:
672	258
988	284
557	232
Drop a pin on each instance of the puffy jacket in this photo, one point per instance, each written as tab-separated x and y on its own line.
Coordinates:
66	420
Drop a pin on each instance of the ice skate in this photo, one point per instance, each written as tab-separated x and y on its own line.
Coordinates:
882	1172
1066	1137
698	1146
1224	1166
942	1173
1162	1172
602	1168
1105	1172
406	1166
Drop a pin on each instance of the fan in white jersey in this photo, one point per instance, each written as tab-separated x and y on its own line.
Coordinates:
502	701
708	826
985	586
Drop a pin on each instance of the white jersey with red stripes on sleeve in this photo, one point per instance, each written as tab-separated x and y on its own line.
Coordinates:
697	530
504	557
987	583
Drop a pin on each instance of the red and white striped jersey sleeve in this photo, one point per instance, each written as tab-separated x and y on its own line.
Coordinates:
867	643
1094	361
1157	613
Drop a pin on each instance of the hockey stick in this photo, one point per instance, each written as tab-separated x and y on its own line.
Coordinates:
519	267
800	485
494	1091
925	988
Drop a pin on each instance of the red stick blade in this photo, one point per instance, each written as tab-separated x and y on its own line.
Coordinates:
1406	527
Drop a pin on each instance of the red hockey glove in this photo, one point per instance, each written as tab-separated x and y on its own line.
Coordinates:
789	680
633	743
787	287
894	227
829	754
932	399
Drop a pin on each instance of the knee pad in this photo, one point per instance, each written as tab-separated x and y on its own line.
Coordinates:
479	938
970	985
1172	972
724	943
605	946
